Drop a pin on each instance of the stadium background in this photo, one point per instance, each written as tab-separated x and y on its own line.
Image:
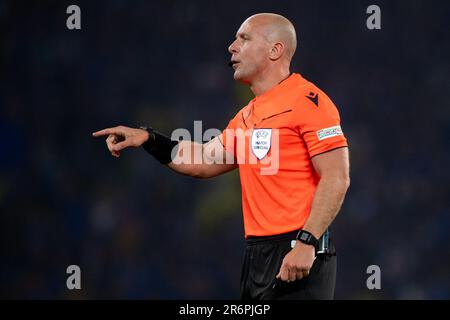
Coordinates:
138	230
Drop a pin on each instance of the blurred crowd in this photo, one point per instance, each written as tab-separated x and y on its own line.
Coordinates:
138	230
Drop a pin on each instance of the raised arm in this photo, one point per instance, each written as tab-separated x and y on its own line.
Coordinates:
186	157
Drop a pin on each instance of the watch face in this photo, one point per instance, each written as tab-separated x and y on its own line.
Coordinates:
304	236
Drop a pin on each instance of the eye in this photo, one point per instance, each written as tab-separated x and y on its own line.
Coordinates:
244	37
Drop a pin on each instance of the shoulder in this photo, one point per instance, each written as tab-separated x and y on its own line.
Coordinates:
313	105
309	96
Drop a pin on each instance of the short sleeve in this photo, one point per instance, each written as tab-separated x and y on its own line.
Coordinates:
228	136
318	122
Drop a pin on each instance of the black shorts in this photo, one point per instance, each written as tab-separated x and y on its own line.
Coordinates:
262	262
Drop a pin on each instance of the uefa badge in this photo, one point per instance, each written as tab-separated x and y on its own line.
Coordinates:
261	140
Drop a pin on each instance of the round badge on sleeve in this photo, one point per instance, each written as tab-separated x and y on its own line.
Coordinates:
261	141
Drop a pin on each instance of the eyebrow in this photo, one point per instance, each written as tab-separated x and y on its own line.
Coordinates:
242	35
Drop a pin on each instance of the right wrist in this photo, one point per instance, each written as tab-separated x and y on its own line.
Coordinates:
159	145
149	136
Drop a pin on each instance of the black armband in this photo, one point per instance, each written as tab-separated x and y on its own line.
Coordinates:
159	146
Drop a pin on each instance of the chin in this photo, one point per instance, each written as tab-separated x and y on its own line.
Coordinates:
241	78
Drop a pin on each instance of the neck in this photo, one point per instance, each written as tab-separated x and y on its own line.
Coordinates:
268	80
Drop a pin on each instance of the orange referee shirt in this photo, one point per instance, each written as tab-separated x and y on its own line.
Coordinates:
273	139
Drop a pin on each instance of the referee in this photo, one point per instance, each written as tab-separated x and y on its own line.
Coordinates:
288	208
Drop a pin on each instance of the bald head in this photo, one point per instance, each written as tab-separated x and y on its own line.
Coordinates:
262	51
276	28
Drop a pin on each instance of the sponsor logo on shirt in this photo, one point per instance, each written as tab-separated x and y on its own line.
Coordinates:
329	132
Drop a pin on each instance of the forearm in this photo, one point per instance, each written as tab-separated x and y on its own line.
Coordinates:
183	157
188	157
326	204
188	160
200	160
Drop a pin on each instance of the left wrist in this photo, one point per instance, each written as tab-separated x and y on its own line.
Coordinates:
307	238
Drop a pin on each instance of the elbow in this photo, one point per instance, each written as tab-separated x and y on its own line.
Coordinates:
346	182
199	173
199	176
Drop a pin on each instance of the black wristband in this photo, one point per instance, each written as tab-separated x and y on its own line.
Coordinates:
159	146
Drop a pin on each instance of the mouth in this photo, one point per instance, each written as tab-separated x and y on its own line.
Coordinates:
233	63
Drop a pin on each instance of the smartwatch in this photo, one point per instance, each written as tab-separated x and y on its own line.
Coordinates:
307	238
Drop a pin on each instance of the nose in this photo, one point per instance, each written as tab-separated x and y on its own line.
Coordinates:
232	48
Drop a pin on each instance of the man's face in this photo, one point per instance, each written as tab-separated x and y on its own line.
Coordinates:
249	52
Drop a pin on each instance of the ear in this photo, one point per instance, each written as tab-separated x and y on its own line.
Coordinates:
276	51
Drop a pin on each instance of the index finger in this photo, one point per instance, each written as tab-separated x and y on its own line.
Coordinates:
106	131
